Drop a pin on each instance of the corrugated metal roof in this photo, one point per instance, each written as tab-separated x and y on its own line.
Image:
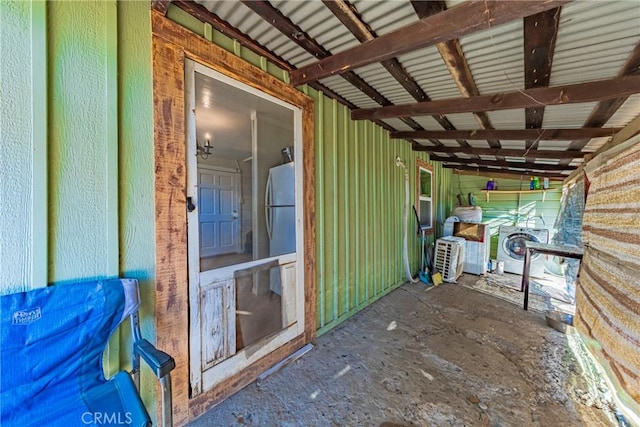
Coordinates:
594	41
463	121
496	57
385	16
553	145
397	124
380	79
450	142
629	111
478	144
317	20
567	116
242	18
507	119
428	122
512	144
429	70
596	143
349	91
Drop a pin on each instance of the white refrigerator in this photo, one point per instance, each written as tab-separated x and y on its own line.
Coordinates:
280	209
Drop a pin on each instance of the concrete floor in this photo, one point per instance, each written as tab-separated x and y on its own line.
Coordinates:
449	356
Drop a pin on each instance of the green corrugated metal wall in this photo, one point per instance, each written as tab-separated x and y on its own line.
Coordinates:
359	199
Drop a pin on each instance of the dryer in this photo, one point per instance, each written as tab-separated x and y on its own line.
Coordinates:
511	248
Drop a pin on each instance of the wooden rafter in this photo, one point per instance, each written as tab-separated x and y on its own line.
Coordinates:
499	172
540	34
456	63
558	95
160	6
273	16
505	152
203	14
425	9
454	59
348	16
530	166
453	23
513	134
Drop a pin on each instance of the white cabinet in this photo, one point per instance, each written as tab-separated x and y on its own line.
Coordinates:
218	320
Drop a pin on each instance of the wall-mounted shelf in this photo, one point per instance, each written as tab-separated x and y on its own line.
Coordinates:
544	192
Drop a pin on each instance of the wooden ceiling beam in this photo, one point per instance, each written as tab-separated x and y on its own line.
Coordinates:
348	16
511	134
450	24
558	95
425	9
504	152
273	16
502	173
203	14
530	166
456	62
540	34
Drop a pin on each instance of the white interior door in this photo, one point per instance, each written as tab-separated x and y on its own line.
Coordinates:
219	207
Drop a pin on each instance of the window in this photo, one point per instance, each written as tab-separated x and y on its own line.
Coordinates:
425	194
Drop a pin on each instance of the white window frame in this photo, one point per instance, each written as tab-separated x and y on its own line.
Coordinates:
422	166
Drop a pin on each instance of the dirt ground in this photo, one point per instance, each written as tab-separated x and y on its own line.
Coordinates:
449	356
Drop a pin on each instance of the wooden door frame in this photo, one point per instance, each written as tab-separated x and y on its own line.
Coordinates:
172	44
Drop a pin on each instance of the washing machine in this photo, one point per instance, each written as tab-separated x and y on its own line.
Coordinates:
511	248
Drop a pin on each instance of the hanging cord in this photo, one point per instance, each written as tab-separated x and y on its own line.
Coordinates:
405	218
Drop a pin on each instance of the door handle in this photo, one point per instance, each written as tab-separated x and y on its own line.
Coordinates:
190	206
235	214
